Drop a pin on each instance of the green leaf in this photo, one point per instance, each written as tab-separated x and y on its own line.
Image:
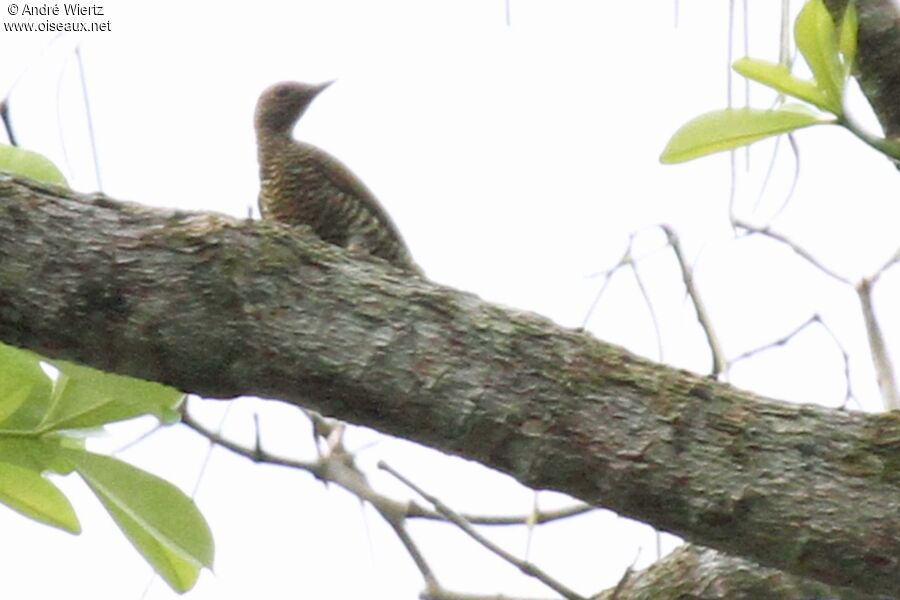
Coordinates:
79	398
37	454
30	494
731	128
13	396
84	397
24	389
30	164
847	42
817	41
779	77
161	522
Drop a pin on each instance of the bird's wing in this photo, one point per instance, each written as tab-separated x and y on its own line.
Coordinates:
344	179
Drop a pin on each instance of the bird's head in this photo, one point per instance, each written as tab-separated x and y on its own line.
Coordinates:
280	105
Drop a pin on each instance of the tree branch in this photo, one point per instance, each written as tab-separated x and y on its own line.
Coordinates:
222	308
695	572
877	66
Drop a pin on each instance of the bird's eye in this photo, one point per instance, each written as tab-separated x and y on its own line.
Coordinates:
282	92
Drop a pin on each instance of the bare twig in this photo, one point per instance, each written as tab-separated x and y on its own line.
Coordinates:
538	518
412	510
848	392
766	231
7	123
732	190
795	151
643	289
335	465
89	116
625	577
769	169
729	97
441	594
729	58
628	260
881	359
4	104
526	567
893	260
745	22
776	343
255	455
131	443
257	443
783	340
607	276
337	468
398	524
715	348
887	382
530	525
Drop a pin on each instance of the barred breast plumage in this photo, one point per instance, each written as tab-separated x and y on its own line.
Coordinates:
303	185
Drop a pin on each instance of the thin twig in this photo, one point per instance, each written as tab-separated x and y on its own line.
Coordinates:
7	123
607	276
530	526
131	443
729	97
629	570
769	170
793	246
261	456
729	57
784	41
881	359
441	594
67	161
893	260
649	304
745	22
848	392
4	104
776	343
783	340
538	518
629	260
337	467
732	189
718	356
456	519
795	152
89	115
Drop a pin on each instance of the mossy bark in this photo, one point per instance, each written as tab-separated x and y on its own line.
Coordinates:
223	307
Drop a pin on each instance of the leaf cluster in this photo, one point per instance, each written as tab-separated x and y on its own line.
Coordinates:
47	410
830	52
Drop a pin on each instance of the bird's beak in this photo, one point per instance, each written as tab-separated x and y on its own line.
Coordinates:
321	87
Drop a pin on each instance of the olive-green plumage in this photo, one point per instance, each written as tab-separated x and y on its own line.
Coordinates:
303	185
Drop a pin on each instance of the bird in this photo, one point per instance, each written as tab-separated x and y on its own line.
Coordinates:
301	184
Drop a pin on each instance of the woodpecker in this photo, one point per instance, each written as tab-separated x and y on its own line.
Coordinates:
301	184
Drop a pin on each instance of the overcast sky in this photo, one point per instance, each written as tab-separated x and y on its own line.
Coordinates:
516	160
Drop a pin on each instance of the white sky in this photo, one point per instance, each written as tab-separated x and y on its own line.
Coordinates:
516	161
